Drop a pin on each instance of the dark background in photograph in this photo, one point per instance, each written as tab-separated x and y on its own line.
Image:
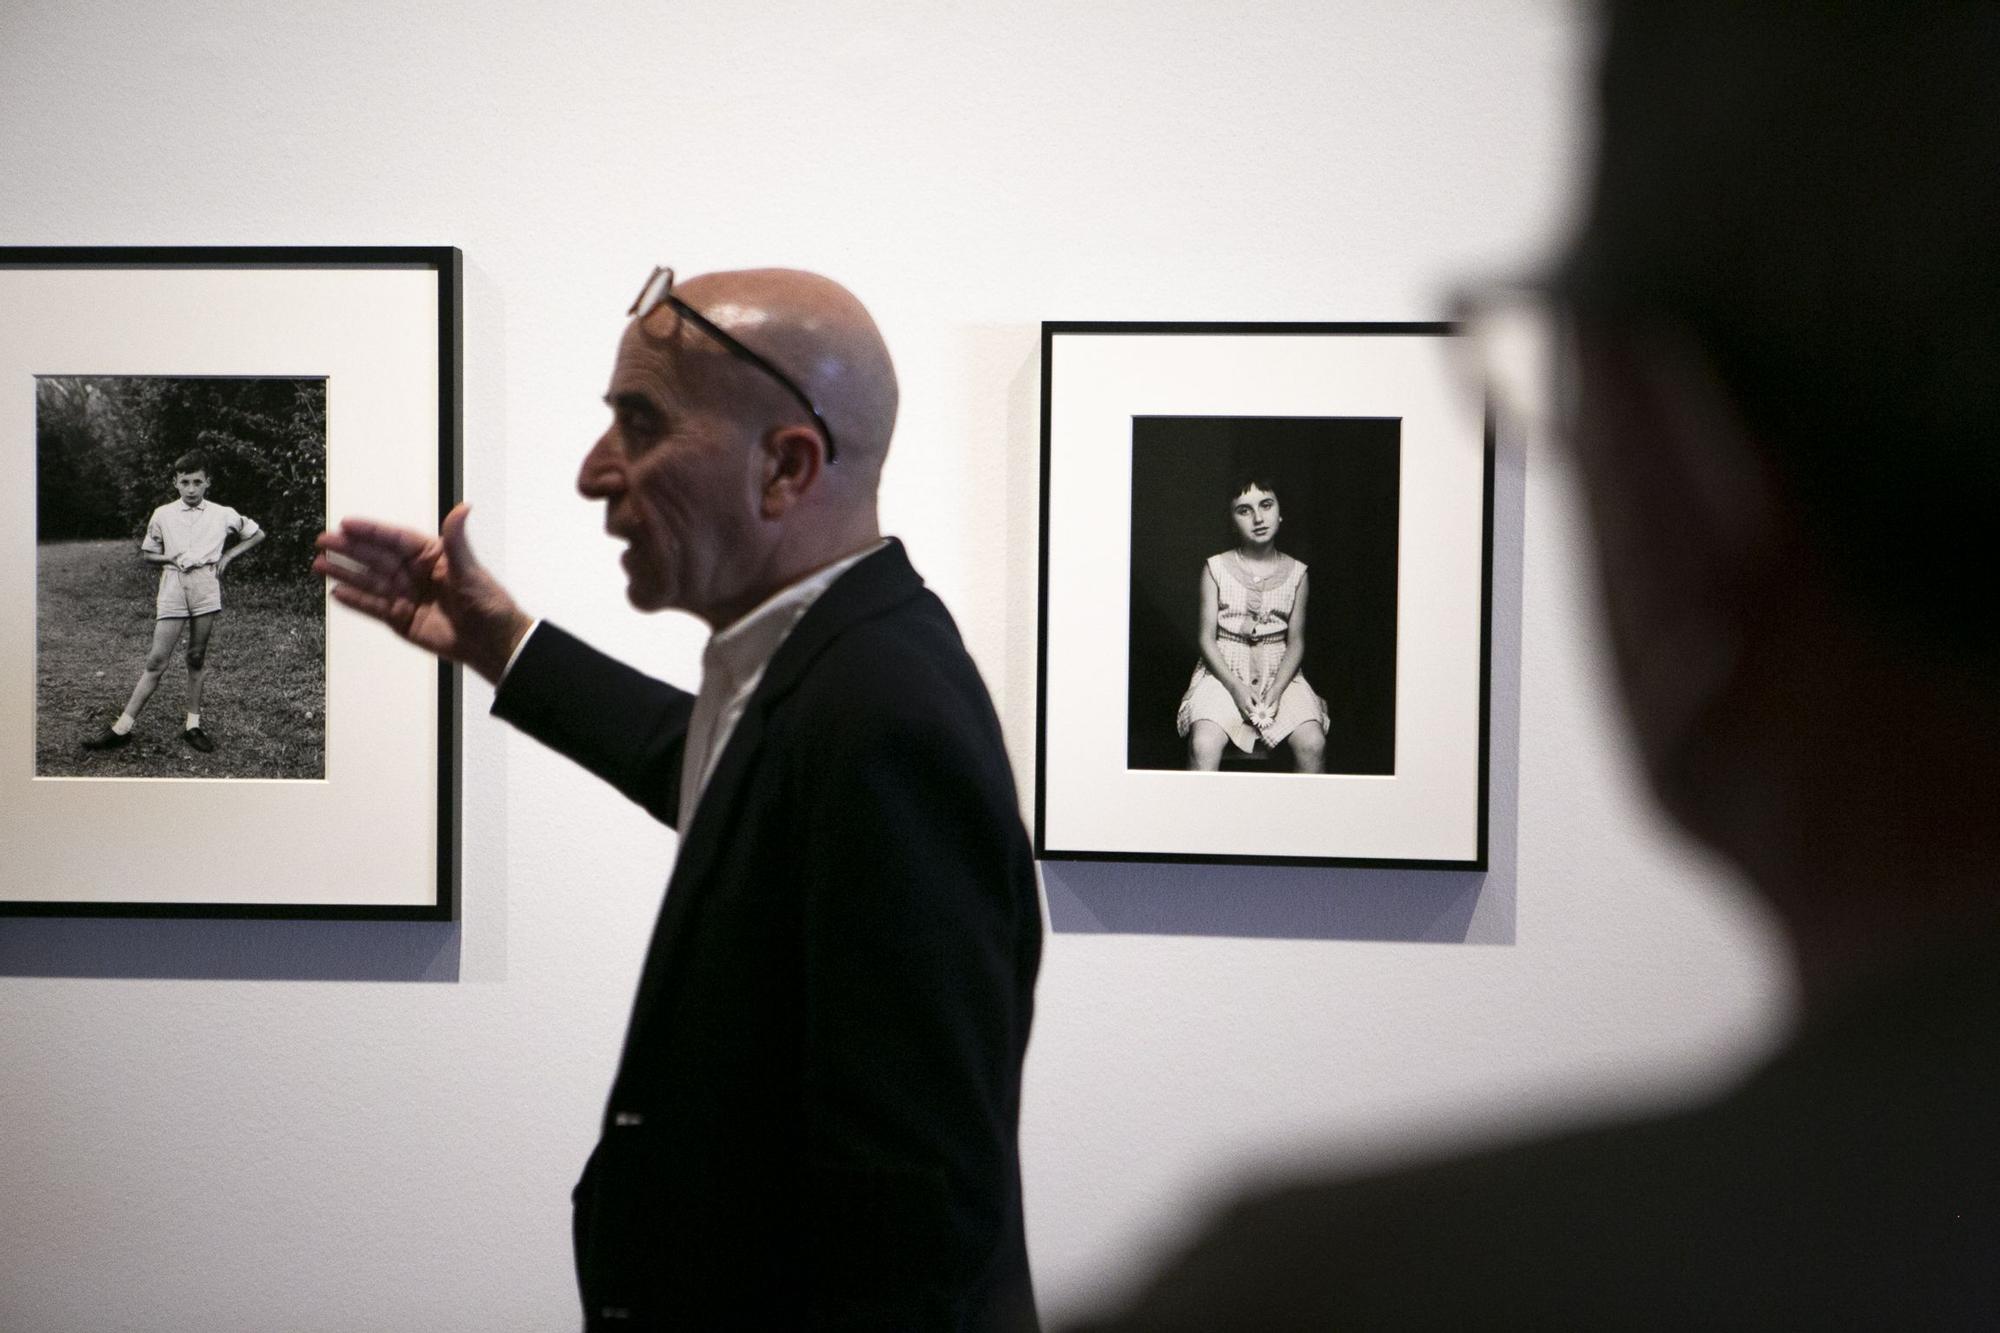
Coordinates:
105	446
1337	481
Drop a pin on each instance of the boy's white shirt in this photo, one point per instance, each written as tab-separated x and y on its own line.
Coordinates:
196	532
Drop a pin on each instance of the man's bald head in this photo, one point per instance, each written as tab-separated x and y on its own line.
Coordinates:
817	333
714	474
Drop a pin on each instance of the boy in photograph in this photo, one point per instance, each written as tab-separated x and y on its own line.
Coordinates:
185	538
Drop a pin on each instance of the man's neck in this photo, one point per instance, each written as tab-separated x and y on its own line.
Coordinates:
782	574
803	553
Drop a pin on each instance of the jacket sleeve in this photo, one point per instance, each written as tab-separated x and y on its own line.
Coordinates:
922	936
621	724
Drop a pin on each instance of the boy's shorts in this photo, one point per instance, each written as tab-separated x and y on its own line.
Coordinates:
185	593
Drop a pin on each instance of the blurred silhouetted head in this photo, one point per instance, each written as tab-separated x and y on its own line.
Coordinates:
1812	190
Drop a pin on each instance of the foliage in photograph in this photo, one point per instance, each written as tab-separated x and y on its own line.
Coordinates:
105	448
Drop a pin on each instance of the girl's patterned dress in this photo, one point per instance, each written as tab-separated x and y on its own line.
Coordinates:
1252	626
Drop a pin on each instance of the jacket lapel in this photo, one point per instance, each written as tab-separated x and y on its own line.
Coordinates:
883	580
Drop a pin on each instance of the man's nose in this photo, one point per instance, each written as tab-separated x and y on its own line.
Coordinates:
597	478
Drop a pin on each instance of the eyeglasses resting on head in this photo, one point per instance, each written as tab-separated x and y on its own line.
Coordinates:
659	290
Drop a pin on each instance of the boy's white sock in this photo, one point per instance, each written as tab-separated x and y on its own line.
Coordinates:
123	726
194	720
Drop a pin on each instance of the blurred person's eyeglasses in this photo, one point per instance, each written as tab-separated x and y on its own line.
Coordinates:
659	290
1519	346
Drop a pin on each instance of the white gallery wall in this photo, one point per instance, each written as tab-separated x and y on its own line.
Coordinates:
309	1126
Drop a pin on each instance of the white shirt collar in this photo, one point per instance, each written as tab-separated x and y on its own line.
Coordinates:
748	645
733	664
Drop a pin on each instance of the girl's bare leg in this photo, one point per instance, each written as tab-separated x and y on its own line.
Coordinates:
1308	742
1205	742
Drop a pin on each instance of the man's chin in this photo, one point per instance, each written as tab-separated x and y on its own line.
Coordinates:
646	594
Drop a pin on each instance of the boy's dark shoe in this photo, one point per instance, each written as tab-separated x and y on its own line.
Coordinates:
198	738
108	740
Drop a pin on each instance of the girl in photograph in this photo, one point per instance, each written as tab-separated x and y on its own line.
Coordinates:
1251	637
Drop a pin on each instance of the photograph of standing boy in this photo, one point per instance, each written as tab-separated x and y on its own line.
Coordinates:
147	488
188	539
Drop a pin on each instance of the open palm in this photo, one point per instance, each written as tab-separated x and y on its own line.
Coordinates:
431	590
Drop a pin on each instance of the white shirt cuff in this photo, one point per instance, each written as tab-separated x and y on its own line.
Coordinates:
515	656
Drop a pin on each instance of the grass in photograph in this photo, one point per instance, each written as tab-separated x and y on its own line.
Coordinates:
264	701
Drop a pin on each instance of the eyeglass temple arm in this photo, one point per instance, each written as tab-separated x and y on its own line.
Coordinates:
751	355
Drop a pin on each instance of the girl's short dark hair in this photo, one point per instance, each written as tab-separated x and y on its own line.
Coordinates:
192	461
1260	480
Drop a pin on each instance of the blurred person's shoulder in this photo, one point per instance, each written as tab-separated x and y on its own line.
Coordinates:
1854	1180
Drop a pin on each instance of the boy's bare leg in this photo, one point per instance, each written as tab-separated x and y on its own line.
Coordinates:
166	634
199	629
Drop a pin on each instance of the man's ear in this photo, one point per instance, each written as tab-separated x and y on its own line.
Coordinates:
793	459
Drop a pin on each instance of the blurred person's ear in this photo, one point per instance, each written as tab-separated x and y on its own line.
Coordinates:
1694	552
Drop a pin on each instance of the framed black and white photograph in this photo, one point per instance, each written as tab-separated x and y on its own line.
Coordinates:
184	730
1265	554
148	490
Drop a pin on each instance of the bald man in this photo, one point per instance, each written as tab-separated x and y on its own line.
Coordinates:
813	1123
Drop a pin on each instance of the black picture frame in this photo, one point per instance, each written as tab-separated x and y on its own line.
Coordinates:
1140	424
383	326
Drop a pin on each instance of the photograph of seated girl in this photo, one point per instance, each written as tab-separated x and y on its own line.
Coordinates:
1251	638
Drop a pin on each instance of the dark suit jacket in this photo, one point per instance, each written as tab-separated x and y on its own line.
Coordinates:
813	1122
1853	1182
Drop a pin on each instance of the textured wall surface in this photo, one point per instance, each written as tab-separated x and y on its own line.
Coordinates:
254	1126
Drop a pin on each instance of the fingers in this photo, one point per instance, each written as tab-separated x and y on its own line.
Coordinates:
372	552
354	552
376	556
391	611
372	533
364	576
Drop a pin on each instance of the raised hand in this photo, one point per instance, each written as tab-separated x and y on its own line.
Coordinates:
431	590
